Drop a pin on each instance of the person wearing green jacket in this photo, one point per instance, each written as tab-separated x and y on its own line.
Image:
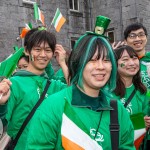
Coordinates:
28	85
135	35
129	79
78	117
129	83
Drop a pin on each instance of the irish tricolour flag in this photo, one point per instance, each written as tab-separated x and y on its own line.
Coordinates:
58	20
75	135
38	14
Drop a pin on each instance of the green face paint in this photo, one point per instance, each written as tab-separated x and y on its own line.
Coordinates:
122	65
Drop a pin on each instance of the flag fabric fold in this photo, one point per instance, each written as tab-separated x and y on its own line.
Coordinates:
139	128
26	29
24	32
8	66
58	20
38	15
75	135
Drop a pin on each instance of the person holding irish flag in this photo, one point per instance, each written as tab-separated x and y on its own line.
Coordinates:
78	117
28	85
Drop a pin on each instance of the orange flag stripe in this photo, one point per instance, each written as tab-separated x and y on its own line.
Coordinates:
42	19
61	22
69	145
71	131
138	142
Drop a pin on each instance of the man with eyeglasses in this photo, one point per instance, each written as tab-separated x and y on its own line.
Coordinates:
135	35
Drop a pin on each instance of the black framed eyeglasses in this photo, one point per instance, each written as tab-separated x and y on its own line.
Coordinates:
134	36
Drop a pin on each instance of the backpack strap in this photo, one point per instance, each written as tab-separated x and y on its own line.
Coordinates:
114	126
130	98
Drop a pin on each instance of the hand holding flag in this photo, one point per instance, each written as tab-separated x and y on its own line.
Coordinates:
58	20
9	64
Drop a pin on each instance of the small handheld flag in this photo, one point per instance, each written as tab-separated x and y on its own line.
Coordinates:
25	30
9	64
38	14
58	20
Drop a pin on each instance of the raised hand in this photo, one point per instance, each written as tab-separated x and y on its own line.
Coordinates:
116	45
4	90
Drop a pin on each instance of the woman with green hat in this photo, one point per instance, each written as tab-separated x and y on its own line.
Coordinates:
78	117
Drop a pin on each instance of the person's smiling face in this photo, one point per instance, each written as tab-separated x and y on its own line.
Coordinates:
96	72
128	66
137	40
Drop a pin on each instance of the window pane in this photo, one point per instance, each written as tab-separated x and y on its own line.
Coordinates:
111	36
72	43
76	5
71	4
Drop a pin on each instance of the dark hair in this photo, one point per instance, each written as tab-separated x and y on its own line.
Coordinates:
82	53
35	37
120	87
133	27
25	57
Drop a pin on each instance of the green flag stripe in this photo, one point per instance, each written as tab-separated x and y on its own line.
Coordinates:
36	15
56	15
71	114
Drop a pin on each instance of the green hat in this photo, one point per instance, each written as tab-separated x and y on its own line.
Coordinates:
101	24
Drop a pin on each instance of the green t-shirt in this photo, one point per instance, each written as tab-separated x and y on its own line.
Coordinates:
138	103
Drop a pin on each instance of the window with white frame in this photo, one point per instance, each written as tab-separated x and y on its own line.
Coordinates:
111	36
74	5
29	1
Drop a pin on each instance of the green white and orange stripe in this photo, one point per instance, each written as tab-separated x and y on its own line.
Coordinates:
58	20
38	14
75	134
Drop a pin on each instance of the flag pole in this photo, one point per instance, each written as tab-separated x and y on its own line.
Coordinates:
52	20
35	11
50	25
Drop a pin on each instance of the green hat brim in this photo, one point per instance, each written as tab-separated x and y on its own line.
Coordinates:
93	33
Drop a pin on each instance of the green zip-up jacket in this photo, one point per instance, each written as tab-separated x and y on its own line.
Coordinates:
70	119
26	89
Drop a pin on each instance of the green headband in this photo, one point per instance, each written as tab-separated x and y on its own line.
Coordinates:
42	28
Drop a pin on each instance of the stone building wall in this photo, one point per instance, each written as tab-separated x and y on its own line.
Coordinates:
123	13
14	14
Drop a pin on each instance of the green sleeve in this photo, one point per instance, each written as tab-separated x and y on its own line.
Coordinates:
40	123
50	71
126	129
45	125
11	103
43	133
